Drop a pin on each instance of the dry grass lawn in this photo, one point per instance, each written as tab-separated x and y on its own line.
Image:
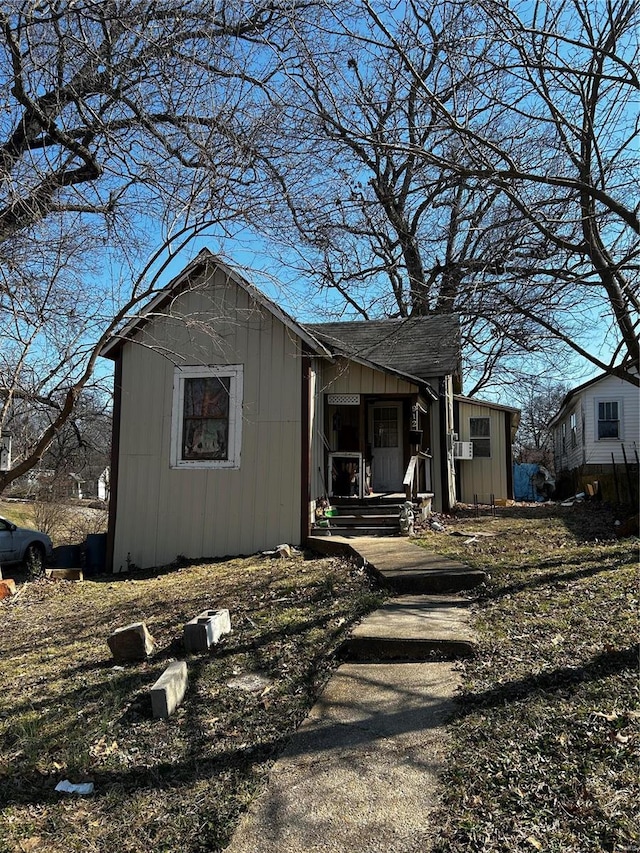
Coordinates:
547	739
544	744
66	712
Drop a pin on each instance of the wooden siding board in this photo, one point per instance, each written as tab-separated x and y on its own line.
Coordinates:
342	377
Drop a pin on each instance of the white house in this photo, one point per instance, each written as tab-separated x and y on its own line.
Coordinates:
597	437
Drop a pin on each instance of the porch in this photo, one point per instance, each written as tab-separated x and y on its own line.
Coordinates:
372	444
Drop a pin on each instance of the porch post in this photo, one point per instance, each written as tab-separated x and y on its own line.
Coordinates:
305	444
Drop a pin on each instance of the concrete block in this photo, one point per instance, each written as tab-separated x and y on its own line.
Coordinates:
206	629
7	588
168	691
65	574
131	643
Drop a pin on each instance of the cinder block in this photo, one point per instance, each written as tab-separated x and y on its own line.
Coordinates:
133	642
168	691
206	629
7	588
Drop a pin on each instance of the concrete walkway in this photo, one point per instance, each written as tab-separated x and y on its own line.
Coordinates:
404	566
361	773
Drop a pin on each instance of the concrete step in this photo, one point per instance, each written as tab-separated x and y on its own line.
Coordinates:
404	566
433	581
414	628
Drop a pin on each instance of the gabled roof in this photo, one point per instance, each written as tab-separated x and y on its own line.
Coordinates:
498	407
415	348
419	348
183	281
633	368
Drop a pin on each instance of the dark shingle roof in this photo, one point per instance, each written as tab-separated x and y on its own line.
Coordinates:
422	347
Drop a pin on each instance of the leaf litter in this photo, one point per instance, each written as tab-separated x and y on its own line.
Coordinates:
546	737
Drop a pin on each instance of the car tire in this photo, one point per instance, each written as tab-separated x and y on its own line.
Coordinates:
34	560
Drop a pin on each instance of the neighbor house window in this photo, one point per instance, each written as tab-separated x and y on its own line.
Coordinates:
206	426
573	426
480	435
608	419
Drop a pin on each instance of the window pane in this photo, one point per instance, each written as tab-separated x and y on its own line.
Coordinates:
385	427
205	438
207	397
608	411
607	429
608	419
205	433
479	427
481	448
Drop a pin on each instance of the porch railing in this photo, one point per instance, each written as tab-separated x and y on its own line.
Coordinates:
417	478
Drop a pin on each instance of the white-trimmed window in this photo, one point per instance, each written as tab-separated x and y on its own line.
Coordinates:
206	422
480	436
608	419
573	426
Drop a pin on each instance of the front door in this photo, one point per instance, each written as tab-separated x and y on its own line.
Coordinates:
385	424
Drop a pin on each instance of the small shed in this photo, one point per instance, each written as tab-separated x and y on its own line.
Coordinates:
484	464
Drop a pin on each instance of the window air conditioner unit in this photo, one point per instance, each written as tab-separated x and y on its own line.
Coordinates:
463	450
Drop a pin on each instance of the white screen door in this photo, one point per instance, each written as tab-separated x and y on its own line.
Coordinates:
386	434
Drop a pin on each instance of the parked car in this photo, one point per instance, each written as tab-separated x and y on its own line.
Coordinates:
21	545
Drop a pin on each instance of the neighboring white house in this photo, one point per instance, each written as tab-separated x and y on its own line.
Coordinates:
597	437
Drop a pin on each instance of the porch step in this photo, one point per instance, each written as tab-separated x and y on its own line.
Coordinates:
367	518
348	532
359	521
378	515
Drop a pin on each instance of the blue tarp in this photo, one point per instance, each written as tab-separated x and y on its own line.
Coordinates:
528	478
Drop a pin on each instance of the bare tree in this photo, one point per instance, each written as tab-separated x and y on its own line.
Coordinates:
554	133
124	124
475	157
539	401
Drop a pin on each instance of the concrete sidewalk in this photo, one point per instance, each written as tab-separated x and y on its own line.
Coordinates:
401	564
361	773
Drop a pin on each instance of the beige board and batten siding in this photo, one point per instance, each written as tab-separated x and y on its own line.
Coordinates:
164	512
483	476
350	377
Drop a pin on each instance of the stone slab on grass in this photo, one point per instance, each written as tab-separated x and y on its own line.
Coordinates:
7	588
168	691
131	643
206	629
